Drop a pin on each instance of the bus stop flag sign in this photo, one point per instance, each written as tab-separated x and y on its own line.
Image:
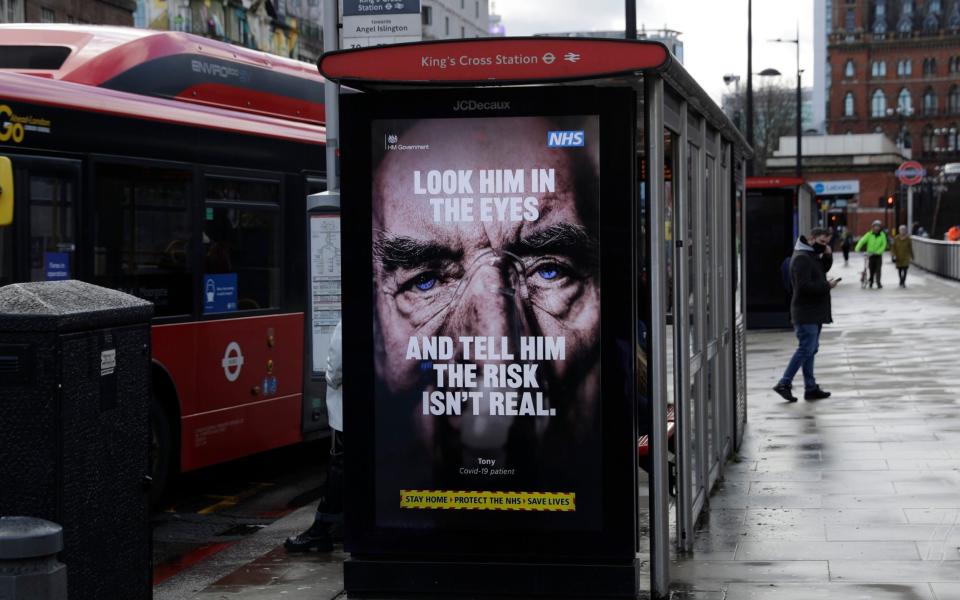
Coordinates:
910	173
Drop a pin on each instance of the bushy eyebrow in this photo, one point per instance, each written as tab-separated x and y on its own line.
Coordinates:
402	252
564	239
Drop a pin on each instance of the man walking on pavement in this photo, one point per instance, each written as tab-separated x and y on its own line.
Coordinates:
875	241
809	310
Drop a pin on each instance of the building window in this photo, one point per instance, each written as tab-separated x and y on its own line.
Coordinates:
47	15
929	102
904	68
878	68
446	26
848	69
850	21
476	9
880	18
426	15
11	11
848	105
905	24
932	22
878	104
463	4
952	138
927	139
953	100
905	102
929	67
463	31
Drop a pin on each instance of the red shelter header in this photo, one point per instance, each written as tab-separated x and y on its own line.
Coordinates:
494	60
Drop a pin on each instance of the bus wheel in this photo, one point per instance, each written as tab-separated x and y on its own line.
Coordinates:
161	454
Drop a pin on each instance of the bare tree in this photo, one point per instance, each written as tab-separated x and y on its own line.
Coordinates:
774	115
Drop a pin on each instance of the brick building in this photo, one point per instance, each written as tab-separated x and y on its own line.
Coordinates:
852	176
894	68
101	12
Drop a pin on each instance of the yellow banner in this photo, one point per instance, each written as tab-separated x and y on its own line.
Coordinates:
472	500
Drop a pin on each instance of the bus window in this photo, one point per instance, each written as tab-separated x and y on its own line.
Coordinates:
142	234
52	227
241	245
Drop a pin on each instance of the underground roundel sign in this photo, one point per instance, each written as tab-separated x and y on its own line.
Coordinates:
910	173
232	361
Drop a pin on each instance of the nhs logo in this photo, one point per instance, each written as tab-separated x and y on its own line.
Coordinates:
564	139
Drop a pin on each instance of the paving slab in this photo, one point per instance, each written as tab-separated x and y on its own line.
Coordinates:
856	496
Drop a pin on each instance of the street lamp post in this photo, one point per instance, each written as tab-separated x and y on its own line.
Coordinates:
799	101
750	82
902	111
737	109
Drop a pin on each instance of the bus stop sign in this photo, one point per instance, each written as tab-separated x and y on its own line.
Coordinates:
910	172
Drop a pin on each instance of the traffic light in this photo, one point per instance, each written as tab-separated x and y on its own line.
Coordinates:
889	200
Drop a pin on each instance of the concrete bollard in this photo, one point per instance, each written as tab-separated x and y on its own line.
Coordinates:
29	569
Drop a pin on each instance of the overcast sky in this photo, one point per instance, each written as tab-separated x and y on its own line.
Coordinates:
714	32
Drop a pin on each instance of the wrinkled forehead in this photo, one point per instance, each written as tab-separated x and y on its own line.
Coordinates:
495	146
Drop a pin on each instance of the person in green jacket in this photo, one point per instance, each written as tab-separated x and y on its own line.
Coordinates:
875	243
902	253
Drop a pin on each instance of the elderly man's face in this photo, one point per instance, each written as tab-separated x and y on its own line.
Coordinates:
492	278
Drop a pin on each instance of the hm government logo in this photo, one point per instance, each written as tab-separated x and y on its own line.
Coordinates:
391	141
565	139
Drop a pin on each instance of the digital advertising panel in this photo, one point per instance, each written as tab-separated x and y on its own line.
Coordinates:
486	321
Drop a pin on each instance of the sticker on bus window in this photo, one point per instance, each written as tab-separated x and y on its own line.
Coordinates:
56	266
219	293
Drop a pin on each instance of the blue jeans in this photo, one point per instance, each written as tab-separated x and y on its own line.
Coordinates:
809	338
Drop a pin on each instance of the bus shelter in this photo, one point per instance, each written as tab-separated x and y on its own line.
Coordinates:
779	209
521	215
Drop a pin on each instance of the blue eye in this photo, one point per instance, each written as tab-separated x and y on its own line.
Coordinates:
425	283
548	273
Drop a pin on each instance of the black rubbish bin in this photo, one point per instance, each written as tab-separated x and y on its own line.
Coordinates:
74	412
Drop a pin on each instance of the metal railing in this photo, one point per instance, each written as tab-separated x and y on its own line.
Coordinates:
937	256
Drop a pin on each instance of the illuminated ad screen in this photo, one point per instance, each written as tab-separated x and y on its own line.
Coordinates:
486	301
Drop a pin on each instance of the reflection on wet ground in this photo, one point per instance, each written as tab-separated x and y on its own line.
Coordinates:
856	496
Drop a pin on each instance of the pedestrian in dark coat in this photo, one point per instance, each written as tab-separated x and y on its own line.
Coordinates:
809	310
902	251
846	243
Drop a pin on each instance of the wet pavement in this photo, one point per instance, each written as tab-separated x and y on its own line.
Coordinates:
856	496
853	497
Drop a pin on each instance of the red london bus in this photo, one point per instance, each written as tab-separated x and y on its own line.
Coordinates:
174	168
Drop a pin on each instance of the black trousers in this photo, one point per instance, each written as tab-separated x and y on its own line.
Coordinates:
846	253
875	263
330	507
903	275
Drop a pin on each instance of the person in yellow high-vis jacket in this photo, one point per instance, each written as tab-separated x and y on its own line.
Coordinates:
875	243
